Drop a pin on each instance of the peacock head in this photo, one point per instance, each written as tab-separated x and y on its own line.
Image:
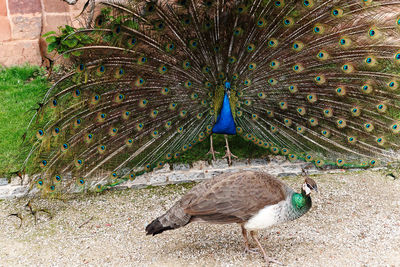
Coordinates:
309	185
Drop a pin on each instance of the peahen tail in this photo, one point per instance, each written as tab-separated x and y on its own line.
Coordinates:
316	80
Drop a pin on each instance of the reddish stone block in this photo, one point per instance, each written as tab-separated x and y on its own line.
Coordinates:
3	8
55	6
20	52
24	6
5	32
26	27
52	22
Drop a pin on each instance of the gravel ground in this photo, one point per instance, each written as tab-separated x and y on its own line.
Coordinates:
355	221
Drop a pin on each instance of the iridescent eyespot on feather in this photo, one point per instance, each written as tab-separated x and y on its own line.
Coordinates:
207	84
301	111
165	91
319	163
254	116
251	47
313	121
180	130
283	105
221	75
78	163
300	129
186	20
80	181
139	82
252	66
154	113
279	3
183	113
298	46
293	89
119	98
273	43
370	61
355	111
285	151
326	133
373	33
341	123
40	134
239	113
347	68
288	22
132	41
232	60
275	150
113	131
393	85
344	42
397	57
373	163
207	26
382	108
308	3
143	103
352	140
80	68
337	12
340	162
239	130
186	65
129	142
43	163
318	29
101	117
292	157
261	23
206	69
369	127
328	112
168	156
154	134
262	95
76	93
173	106
142	60
247	102
149	8
170	47
274	64
238	31
322	55
298	68
309	158
188	84
53	103
89	138
247	82
39	183
340	91
99	21
77	123
241	9
312	98
287	122
194	96
320	79
119	73
395	127
193	44
101	149
366	88
272	81
380	141
139	126
57	179
64	147
274	129
117	29
159	25
56	131
126	114
162	69
95	99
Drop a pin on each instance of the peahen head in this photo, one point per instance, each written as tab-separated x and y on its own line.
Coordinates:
308	186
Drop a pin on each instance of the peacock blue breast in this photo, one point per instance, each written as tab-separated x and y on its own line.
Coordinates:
225	123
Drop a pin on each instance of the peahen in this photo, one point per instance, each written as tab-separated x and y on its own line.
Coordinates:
252	199
311	80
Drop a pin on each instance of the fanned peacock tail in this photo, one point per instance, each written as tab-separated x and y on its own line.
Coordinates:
311	80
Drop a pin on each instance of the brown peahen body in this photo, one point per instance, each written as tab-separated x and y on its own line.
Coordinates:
315	80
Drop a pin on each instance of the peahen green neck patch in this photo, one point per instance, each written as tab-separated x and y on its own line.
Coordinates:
225	123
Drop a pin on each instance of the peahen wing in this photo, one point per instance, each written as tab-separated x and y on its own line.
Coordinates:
319	80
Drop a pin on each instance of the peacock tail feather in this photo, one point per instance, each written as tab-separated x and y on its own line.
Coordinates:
311	80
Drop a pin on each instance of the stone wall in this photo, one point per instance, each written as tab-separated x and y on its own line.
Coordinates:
22	22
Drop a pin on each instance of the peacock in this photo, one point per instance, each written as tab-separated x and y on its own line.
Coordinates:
311	80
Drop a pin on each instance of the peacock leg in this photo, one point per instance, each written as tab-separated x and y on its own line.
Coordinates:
246	242
212	151
228	153
266	258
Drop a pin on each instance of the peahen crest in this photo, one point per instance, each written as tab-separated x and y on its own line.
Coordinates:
316	80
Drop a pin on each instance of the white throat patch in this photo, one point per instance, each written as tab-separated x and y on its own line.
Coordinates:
306	189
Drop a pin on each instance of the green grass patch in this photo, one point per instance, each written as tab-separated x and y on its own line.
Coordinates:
21	88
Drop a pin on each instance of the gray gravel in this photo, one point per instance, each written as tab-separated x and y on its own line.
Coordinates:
355	221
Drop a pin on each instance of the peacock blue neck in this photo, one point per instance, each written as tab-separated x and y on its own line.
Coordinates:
301	203
225	123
